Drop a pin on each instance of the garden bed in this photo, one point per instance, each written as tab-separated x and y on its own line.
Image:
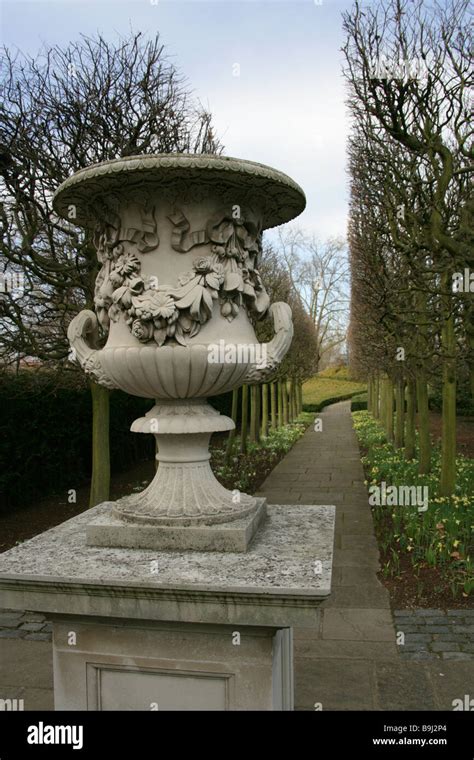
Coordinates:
426	557
247	472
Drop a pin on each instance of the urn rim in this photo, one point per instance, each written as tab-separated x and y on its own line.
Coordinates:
280	197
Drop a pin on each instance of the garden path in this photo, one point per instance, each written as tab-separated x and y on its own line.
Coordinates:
350	660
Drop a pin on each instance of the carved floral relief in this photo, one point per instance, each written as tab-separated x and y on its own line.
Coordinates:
158	312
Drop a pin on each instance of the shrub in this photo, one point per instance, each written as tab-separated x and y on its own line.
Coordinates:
359	402
45	434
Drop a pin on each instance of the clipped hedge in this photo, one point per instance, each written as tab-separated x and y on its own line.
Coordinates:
321	404
45	435
359	402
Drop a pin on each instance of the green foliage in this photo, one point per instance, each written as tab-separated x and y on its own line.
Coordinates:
45	436
440	537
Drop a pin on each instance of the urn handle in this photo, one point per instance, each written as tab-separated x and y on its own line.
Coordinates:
276	350
83	336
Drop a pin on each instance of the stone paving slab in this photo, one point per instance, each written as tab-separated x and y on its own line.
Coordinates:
312	648
361	596
357	624
404	686
357	541
334	684
356	558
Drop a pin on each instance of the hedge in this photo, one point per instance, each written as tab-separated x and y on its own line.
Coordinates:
326	402
45	435
359	402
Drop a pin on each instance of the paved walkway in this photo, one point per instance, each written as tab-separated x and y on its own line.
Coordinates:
350	660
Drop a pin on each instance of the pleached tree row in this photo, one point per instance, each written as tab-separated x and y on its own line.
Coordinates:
410	229
262	408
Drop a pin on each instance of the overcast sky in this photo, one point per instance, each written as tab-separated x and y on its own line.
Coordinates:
287	106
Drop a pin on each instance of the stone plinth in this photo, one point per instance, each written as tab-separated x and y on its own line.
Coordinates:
145	629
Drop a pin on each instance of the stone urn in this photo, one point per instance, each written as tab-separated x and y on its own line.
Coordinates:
178	239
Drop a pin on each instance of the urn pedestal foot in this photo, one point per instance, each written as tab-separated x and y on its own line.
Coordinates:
184	507
236	536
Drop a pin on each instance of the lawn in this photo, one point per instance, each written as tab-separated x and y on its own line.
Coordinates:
328	386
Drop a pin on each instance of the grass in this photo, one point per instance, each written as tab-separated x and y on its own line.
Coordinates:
439	539
337	373
329	386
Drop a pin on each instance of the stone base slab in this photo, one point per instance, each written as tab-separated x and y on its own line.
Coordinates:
110	531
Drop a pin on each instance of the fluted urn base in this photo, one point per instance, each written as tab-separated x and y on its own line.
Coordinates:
184	507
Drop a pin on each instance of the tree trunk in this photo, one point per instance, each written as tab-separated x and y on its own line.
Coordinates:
447	480
386	408
470	342
100	484
300	397
231	436
253	413
370	393
400	412
410	451
423	424
280	403
244	422
389	409
285	402
264	430
274	405
424	466
291	406
376	404
383	403
258	412
294	386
